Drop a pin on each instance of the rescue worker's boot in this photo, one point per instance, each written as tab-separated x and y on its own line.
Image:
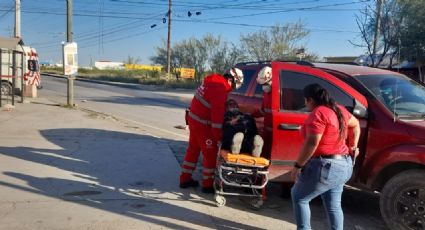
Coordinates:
258	146
237	143
190	183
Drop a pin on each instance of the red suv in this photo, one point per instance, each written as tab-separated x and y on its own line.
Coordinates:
391	110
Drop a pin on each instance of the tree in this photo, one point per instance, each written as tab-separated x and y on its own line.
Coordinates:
132	60
190	53
276	43
389	32
225	57
161	57
413	30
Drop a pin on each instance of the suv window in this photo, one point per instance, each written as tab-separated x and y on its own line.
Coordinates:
248	74
293	83
258	90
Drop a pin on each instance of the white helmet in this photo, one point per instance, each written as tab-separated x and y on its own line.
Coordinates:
265	76
237	75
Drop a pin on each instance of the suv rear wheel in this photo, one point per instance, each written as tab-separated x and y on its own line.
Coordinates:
403	201
6	88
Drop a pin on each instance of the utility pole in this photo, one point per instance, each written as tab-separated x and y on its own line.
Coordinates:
69	20
17	18
70	91
169	40
377	25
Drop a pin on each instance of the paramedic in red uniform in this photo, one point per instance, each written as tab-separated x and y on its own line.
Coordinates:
264	79
205	118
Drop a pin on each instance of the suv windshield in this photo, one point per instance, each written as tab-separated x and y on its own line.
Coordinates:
400	94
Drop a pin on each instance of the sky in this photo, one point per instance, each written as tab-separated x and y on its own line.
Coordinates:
112	30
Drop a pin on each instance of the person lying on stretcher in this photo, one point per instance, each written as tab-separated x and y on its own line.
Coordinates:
240	134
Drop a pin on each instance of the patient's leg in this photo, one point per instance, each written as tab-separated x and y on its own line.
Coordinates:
258	146
237	143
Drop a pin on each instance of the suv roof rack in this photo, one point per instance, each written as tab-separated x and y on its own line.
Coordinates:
343	63
304	63
254	63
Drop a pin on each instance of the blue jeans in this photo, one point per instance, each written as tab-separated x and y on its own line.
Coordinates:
324	177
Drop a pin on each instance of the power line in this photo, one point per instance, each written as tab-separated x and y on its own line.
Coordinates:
291	10
262	26
78	14
8	11
110	30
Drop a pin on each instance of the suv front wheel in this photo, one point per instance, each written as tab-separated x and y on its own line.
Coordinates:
403	201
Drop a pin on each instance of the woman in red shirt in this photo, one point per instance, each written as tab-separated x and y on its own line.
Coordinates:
324	163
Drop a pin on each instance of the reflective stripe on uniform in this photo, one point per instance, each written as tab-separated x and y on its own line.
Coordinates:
202	100
207	177
216	125
190	164
198	119
207	170
187	170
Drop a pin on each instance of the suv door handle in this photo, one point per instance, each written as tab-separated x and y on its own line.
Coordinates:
288	127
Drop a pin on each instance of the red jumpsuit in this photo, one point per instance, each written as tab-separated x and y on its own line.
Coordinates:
266	112
205	119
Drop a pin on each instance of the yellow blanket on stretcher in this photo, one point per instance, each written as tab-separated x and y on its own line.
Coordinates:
244	159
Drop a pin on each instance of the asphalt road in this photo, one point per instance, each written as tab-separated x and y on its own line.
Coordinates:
157	112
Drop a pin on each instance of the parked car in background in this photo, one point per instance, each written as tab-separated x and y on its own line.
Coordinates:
391	111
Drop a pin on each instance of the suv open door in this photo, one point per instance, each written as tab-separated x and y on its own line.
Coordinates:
289	111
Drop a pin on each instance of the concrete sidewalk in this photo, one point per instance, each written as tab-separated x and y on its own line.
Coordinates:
68	169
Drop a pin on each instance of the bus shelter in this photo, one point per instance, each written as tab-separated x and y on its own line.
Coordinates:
11	70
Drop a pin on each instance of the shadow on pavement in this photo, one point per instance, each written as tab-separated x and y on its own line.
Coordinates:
127	174
117	172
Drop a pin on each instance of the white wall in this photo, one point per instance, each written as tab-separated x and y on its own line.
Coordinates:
108	65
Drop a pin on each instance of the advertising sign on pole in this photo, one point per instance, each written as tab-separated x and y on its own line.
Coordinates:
70	59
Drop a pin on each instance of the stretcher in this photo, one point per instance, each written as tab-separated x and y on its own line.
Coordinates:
240	175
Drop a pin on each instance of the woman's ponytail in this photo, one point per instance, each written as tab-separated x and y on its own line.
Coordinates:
321	96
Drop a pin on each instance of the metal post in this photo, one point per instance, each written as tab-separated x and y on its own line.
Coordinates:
69	21
17	18
13	76
70	91
22	76
1	73
169	40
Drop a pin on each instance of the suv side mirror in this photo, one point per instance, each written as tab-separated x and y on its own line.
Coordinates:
359	110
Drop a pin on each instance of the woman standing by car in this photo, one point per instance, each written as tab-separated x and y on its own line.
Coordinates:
324	163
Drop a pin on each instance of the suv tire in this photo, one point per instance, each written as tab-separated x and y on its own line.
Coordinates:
402	201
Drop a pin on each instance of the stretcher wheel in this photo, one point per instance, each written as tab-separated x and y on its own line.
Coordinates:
257	203
220	200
